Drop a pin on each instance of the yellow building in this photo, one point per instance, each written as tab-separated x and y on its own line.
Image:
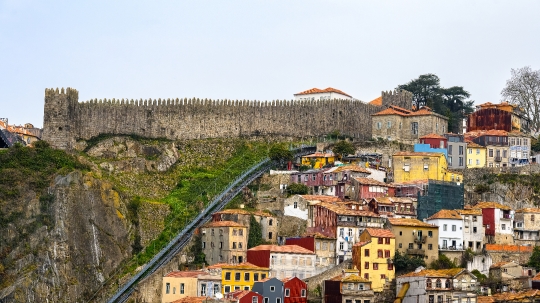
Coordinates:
241	276
179	284
416	238
412	166
373	254
224	241
476	155
319	160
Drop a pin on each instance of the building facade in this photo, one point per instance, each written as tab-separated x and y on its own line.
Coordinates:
457	147
473	229
237	277
284	261
498	222
224	241
178	285
269	223
450	225
416	238
348	287
271	289
476	155
527	226
411	166
328	93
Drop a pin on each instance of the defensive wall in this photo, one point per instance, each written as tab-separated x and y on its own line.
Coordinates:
67	120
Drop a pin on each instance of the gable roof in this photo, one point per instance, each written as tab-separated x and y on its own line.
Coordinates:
377	101
291	249
353	168
351	278
472	211
483	205
184	274
502	264
409	222
418	154
393	110
341	209
379	232
223	224
245	265
433	136
321	91
321	198
528	210
369	181
446	214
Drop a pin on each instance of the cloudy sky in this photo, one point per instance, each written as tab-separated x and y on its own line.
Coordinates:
253	49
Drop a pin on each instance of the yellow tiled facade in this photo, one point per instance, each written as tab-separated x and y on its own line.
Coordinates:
241	276
373	256
476	155
412	166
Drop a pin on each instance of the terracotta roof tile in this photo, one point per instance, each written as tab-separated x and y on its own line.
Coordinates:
392	200
184	274
393	110
320	91
413	182
353	168
482	205
245	265
317	235
223	224
509	248
191	300
522	296
362	243
409	222
537	277
321	198
528	210
341	209
500	264
377	101
446	273
446	214
355	278
369	181
474	145
291	249
473	211
380	232
433	136
217	265
485	299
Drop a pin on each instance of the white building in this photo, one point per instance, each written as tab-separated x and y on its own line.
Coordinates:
436	286
284	261
297	205
498	220
450	225
473	229
322	94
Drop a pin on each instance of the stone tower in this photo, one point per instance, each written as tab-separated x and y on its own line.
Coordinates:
401	98
59	121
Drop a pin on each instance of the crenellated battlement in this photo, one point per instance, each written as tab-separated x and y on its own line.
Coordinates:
401	98
67	120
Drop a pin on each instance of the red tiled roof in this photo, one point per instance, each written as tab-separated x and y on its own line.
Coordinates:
537	277
446	273
369	181
509	248
528	210
223	224
393	110
290	249
501	264
380	232
483	205
409	222
321	198
353	168
446	214
422	154
320	91
341	209
245	265
244	212
377	101
191	300
433	136
183	274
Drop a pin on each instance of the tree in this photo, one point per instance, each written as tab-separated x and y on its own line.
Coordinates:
442	263
406	263
255	233
343	148
197	250
534	260
297	189
523	90
280	153
450	102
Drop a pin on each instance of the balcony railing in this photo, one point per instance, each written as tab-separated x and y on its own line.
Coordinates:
505	216
498	158
416	251
420	240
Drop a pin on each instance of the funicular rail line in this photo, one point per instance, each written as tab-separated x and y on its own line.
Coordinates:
183	237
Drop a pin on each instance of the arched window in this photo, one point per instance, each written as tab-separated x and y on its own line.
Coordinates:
448	284
428	283
438	283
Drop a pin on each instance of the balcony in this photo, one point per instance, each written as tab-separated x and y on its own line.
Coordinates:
361	224
506	216
420	240
416	252
460	247
498	158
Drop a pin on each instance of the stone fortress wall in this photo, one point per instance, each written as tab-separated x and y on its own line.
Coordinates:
67	120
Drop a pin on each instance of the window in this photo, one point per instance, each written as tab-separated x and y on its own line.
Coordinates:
400	245
270	235
470	151
414	126
246	276
266	300
181	288
367	301
387	254
503	226
454	228
430	246
430	234
278	300
270	222
350	286
237	276
227	276
428	283
272	288
360	286
380	241
350	232
383	276
439	299
204	245
460	161
401	233
227	289
532	218
438	283
505	154
256	277
490	152
203	290
390	266
379	253
341	232
388	124
254	299
341	245
240	245
234	245
263	276
447	284
474	229
386	240
375	266
366	276
470	161
410	246
287	292
461	150
303	293
220	244
477	151
477	161
445	227
167	288
379	125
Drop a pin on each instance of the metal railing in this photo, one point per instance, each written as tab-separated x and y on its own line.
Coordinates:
183	237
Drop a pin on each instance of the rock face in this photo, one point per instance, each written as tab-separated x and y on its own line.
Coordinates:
85	239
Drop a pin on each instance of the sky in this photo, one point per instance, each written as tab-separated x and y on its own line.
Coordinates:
256	50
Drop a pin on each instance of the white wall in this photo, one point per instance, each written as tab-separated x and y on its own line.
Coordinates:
449	235
322	96
469	235
509	223
288	269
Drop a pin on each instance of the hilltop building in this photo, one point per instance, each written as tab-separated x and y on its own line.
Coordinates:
473	229
413	166
502	116
498	222
328	93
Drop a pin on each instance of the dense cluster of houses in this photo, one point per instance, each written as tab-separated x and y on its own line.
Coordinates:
11	134
361	214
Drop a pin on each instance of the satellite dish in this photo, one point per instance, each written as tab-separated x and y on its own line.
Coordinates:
219	295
